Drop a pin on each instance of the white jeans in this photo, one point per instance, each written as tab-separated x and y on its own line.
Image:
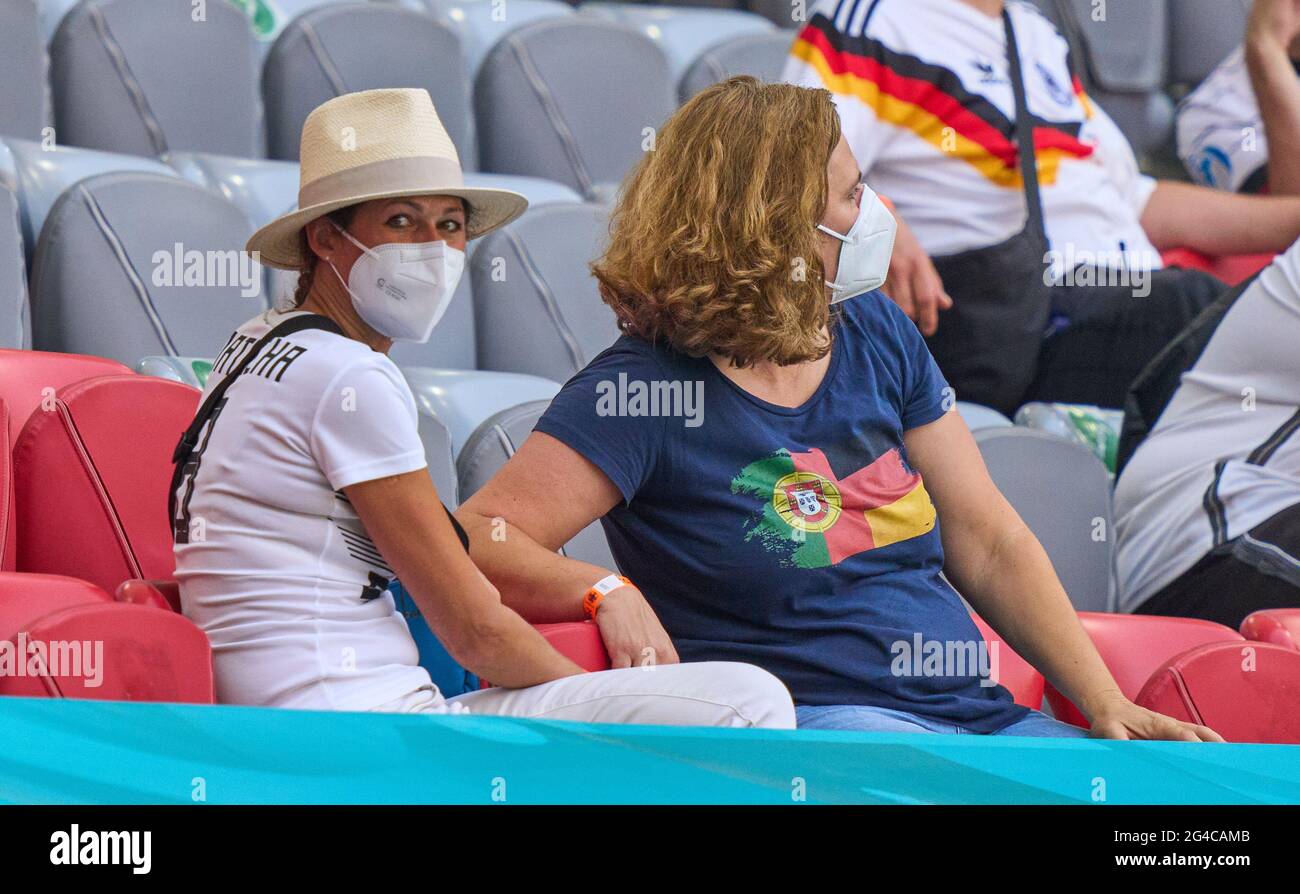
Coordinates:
706	693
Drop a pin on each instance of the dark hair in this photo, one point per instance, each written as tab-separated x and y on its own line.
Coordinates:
342	217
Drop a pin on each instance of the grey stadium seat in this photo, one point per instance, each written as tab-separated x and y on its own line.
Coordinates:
481	23
682	32
15	319
269	19
1123	59
437	453
495	441
572	99
1062	492
42	175
782	12
760	55
1202	34
977	416
51	13
462	399
24	101
536	306
262	189
103	278
144	77
363	46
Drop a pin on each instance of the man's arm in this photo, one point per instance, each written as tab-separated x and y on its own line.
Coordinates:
1274	25
1213	222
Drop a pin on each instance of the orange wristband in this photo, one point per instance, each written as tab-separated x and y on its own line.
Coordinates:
598	591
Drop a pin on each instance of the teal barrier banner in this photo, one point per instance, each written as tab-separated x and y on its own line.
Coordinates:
64	752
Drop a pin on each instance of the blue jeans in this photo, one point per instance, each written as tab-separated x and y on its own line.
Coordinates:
868	719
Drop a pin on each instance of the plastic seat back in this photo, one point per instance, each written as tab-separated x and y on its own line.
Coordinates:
537	309
1063	494
488	449
148	78
115	652
134	264
29	380
24	109
332	50
15	314
1278	626
761	54
1245	691
99	463
572	99
1134	646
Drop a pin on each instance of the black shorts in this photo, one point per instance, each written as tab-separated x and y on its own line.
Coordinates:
1258	570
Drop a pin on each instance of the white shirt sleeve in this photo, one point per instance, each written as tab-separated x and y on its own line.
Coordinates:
1121	164
1221	138
366	424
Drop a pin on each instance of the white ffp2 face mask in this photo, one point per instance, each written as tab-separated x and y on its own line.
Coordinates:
402	289
866	249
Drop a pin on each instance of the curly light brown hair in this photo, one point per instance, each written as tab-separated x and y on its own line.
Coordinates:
713	243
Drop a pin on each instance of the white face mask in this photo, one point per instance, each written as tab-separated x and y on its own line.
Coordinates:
402	289
866	249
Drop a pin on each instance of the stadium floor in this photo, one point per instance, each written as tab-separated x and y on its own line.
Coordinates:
71	751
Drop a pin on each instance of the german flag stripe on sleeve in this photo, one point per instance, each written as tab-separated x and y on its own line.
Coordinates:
931	102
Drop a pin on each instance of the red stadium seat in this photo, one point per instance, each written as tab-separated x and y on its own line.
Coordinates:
8	527
1018	675
578	641
1279	626
22	595
111	652
1232	269
28	378
1134	646
142	655
164	594
1245	691
98	466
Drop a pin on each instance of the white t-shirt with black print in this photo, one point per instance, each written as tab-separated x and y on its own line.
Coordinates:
278	570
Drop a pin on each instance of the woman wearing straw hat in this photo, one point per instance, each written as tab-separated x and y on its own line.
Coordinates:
301	487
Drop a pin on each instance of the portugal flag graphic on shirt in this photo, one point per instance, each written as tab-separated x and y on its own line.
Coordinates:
813	519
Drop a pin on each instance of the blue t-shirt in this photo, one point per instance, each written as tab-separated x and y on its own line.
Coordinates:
797	539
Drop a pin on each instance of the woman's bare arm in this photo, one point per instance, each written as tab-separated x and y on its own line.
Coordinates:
405	519
539	500
998	565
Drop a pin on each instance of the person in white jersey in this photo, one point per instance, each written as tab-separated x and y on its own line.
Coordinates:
1250	101
1207	505
927	95
303	488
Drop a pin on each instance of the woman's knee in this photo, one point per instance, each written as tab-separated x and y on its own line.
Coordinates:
757	697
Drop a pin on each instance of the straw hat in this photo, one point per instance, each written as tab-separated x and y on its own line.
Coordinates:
377	144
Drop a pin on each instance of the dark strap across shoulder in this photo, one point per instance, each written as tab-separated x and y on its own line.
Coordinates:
190	438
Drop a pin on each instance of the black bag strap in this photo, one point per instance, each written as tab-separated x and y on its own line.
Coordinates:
1024	135
190	438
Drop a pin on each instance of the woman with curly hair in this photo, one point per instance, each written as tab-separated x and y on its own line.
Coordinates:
796	512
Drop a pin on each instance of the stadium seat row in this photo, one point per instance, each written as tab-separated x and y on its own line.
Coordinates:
532	88
568	95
